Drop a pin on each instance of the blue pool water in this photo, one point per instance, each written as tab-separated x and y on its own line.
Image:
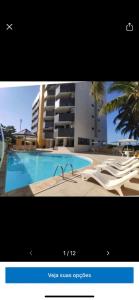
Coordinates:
24	168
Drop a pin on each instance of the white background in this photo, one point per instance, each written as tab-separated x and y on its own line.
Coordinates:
100	291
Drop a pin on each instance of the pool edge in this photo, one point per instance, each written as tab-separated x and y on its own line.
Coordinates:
42	185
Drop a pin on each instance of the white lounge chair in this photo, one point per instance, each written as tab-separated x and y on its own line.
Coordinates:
122	161
116	172
119	166
105	181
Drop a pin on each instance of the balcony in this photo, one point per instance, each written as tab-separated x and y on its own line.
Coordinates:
49	134
34	111
49	125
64	132
34	123
35	115
48	115
50	104
64	103
48	96
35	106
51	88
65	90
34	128
64	117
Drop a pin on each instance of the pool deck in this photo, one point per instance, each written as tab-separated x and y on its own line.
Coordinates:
72	185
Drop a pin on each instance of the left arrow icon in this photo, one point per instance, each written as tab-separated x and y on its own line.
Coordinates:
30	252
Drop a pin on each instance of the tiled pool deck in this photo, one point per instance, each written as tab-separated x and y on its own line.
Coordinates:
72	185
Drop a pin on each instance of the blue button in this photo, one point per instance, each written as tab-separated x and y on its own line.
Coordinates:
69	275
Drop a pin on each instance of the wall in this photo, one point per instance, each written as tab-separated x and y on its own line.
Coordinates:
40	140
83	115
19	145
22	147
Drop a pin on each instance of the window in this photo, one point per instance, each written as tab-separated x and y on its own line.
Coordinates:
92	128
23	143
82	141
92	116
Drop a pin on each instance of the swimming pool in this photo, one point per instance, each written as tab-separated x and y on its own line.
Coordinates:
24	168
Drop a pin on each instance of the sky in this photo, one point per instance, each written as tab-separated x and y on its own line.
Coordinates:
16	104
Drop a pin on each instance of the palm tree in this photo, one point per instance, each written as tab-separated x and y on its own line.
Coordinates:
127	122
98	90
128	89
129	94
127	104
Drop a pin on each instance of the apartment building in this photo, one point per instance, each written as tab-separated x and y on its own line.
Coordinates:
67	115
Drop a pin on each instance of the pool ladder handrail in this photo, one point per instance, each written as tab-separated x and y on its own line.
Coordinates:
59	166
63	169
69	164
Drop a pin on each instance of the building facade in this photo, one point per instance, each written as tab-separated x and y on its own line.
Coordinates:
67	115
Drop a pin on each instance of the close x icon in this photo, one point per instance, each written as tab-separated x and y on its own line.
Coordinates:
7	27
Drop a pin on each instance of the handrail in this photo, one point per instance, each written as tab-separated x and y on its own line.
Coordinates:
59	166
69	164
63	169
